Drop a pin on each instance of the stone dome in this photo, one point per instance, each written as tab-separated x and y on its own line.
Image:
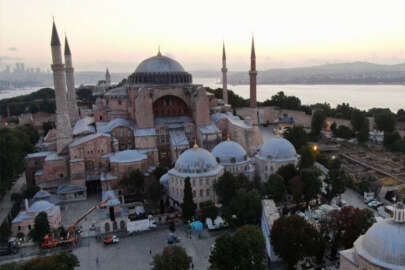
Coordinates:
383	245
160	69
196	161
278	149
229	152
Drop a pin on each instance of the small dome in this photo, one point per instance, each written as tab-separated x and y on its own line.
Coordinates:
40	206
383	245
278	149
196	160
160	64
229	152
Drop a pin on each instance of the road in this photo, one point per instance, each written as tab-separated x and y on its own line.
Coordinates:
6	203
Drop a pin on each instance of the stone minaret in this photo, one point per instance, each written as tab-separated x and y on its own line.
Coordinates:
70	83
252	75
107	78
224	77
63	125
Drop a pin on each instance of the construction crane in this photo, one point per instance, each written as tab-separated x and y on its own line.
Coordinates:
71	236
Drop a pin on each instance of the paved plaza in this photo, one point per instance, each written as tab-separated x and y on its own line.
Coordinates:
133	252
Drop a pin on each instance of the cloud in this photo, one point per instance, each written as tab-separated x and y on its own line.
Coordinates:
12	49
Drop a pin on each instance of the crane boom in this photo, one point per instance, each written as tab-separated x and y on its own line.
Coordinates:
71	227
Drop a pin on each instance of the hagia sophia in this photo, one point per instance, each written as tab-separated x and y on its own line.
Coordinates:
156	117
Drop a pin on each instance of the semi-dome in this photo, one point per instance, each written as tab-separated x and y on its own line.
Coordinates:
196	161
229	152
278	149
41	206
383	245
160	69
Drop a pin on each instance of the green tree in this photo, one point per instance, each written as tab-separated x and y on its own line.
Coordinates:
244	250
159	171
297	136
293	238
275	187
385	121
296	187
311	183
208	210
172	258
360	124
287	172
317	122
188	205
62	260
343	132
336	181
227	185
41	227
307	157
247	207
132	182
346	225
390	138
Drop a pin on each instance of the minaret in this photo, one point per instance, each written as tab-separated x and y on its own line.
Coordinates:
107	78
224	76
252	75
70	83
63	125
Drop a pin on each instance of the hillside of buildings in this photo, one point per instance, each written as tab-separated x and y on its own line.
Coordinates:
342	73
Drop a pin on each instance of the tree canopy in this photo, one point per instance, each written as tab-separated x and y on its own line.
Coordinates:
317	122
41	227
297	136
247	207
275	187
172	258
58	261
245	250
228	184
188	205
132	182
385	121
293	238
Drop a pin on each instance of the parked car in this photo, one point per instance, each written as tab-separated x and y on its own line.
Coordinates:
111	240
375	204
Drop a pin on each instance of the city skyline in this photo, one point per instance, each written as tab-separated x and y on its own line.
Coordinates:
288	34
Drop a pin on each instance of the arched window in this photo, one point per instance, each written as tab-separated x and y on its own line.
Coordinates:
123	225
115	226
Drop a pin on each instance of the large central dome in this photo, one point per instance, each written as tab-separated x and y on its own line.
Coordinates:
160	69
158	64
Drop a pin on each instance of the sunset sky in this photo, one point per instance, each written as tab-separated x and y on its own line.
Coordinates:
119	34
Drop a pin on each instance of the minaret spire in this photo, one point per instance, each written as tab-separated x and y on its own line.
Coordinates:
224	76
107	78
252	75
63	124
159	54
70	83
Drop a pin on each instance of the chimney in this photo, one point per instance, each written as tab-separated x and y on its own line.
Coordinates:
26	204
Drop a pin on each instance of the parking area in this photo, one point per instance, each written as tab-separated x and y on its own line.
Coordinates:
133	252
